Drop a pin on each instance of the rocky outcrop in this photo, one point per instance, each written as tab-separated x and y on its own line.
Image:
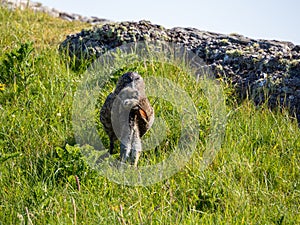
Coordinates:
262	69
265	70
38	7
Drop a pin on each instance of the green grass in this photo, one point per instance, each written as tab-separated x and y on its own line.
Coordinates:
254	179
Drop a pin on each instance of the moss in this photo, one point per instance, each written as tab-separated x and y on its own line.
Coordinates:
224	41
235	52
255	45
294	62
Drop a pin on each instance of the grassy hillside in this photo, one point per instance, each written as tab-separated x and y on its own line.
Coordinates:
44	179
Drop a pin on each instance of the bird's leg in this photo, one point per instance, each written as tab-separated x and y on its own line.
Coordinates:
136	157
124	152
111	147
136	148
125	144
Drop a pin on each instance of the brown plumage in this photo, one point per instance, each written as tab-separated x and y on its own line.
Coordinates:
127	115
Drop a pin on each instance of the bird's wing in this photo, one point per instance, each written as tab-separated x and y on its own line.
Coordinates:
145	116
105	116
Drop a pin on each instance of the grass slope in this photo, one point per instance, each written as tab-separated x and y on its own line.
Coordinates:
255	178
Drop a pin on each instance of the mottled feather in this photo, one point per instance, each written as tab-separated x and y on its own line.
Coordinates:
134	122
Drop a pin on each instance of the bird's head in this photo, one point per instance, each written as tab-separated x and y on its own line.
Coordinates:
132	80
